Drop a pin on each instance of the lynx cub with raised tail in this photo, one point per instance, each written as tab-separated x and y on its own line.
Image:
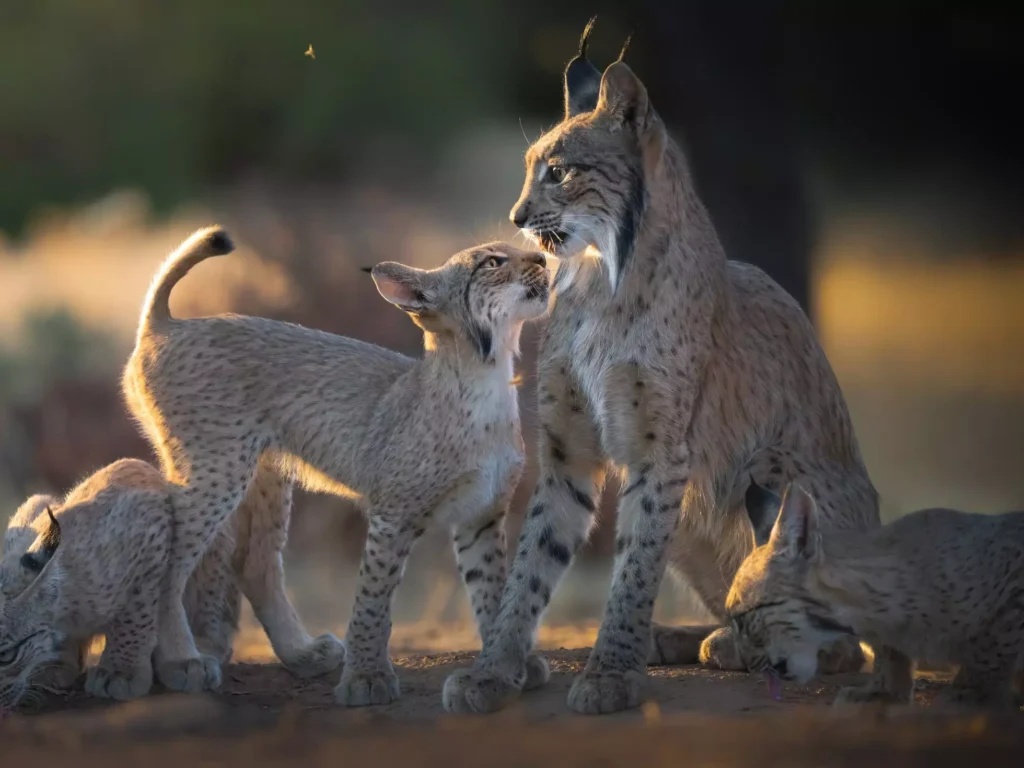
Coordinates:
234	402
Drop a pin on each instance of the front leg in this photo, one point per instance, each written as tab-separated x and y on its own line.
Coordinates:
480	553
558	520
643	425
368	677
891	680
125	669
648	516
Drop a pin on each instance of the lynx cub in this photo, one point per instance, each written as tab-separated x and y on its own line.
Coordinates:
94	564
230	401
936	584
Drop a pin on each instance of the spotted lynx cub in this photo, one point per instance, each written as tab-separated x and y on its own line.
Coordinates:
673	368
231	401
92	564
937	584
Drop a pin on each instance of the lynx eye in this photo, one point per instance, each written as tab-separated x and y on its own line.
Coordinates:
8	656
493	262
558	173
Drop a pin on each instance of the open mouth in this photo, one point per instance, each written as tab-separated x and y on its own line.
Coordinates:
551	239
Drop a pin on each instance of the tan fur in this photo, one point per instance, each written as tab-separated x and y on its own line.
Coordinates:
234	402
937	585
104	577
682	372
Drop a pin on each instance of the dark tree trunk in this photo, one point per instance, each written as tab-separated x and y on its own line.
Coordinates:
716	75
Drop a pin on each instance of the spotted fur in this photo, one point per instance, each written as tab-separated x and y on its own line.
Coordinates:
681	372
937	585
93	563
231	402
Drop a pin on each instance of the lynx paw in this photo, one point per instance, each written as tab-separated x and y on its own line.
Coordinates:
538	672
362	688
719	651
479	691
600	693
119	685
325	654
190	675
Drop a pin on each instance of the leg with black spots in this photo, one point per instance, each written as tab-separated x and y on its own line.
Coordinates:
368	677
214	486
125	669
213	599
617	666
480	553
558	521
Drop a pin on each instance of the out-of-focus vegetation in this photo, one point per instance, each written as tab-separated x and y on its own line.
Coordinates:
177	96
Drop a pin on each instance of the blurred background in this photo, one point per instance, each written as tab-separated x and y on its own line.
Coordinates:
867	155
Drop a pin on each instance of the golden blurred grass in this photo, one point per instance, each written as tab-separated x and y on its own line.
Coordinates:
956	326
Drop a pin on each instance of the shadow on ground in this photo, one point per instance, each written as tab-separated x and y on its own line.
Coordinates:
263	717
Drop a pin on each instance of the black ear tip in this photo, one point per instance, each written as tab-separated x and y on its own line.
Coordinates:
625	47
585	38
367	270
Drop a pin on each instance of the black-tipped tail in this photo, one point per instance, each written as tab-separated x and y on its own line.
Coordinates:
211	241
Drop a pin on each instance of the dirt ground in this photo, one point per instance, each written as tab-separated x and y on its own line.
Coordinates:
264	717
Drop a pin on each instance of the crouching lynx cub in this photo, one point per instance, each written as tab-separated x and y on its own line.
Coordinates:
94	564
231	401
936	584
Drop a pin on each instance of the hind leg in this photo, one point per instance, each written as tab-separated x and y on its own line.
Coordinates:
988	670
213	599
212	486
264	516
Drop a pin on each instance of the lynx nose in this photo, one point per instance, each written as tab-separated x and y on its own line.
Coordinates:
519	215
538	259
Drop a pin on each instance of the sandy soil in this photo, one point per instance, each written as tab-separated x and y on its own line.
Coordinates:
263	716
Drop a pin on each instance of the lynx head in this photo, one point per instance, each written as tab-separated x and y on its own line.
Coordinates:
28	633
778	624
587	178
27	522
482	295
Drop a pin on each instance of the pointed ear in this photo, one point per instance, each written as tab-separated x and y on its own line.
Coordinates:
796	530
624	97
762	508
582	79
48	543
408	288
